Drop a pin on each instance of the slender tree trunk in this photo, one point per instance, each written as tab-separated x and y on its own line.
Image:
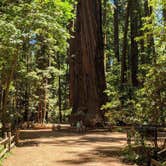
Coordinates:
151	52
67	87
141	33
6	91
87	62
27	86
164	11
45	100
60	100
104	12
42	62
164	20
134	46
146	8
124	50
59	92
1	97
116	29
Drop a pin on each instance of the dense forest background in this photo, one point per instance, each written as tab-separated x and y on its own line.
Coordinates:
41	54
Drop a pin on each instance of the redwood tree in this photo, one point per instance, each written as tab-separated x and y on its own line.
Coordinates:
125	44
134	45
116	29
87	77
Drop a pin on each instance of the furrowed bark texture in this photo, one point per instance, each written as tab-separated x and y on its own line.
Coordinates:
87	77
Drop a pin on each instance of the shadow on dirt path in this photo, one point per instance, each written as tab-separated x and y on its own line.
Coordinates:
43	147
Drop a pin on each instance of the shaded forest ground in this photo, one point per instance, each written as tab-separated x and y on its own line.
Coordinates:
43	147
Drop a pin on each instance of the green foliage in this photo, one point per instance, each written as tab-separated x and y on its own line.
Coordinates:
37	32
145	103
151	98
130	155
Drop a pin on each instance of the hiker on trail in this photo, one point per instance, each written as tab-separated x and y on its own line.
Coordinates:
78	126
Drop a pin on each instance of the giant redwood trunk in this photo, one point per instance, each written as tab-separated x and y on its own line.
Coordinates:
87	77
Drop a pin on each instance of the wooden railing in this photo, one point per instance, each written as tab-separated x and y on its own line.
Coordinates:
151	133
155	162
8	143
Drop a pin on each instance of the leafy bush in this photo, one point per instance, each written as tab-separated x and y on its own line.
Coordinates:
150	102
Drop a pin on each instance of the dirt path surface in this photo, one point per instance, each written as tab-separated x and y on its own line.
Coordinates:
44	147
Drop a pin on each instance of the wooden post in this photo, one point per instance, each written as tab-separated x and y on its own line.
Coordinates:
148	158
17	135
9	135
142	139
5	136
155	142
128	137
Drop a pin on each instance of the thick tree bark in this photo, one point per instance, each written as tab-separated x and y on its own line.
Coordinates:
104	21
87	77
116	30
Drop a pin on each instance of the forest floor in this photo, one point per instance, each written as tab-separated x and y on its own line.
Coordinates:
44	147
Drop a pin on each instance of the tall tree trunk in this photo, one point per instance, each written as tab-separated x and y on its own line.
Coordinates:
151	52
25	49
141	33
45	100
134	46
87	75
1	97
124	49
42	61
104	22
59	91
6	91
116	29
146	8
60	100
164	20
164	12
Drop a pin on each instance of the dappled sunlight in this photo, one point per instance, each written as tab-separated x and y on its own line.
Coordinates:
66	147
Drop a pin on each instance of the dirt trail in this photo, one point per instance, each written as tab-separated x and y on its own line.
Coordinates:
64	148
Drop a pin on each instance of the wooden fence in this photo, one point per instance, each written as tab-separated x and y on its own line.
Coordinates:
8	143
149	133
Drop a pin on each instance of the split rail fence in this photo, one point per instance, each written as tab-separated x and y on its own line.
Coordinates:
7	143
